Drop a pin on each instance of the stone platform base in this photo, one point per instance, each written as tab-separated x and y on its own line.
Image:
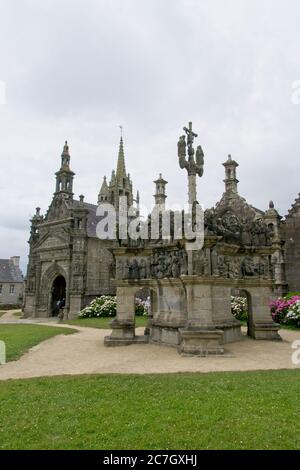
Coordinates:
201	342
111	341
165	336
230	332
266	331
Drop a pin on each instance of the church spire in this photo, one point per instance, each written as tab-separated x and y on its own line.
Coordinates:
104	192
120	183
121	169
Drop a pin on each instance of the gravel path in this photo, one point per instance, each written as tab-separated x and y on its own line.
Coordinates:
85	353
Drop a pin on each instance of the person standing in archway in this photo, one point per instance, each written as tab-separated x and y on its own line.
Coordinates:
61	309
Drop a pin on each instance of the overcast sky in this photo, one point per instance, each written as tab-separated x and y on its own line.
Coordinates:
76	70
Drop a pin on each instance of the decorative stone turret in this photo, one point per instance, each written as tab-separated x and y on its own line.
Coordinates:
36	220
160	193
104	192
230	180
64	177
272	219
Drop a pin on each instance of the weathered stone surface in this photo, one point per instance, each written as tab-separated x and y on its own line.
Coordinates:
245	249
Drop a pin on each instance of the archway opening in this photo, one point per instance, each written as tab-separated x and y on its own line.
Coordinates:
145	301
58	295
241	308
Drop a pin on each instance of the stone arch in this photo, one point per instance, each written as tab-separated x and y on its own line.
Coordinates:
149	296
48	278
242	292
58	295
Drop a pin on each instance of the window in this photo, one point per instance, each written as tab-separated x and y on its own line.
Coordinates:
0	289
12	289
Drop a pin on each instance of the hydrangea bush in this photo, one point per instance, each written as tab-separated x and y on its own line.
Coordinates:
286	310
239	308
106	306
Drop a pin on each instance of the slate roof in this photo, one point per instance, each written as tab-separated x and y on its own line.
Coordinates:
92	219
9	272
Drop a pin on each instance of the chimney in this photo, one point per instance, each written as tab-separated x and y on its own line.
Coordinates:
15	261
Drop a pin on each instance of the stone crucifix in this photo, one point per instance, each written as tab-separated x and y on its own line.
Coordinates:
193	166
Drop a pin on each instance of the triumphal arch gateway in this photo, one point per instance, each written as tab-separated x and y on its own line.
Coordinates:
191	286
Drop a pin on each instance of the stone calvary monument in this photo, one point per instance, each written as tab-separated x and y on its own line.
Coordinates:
191	289
245	251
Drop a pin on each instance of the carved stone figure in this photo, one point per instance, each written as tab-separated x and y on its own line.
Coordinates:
120	269
181	146
214	262
134	270
199	160
223	267
246	237
234	268
175	268
248	267
143	269
183	262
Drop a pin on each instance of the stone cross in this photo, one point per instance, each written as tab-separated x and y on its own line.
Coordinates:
193	167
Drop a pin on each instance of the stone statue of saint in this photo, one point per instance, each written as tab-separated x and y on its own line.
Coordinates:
143	269
199	160
181	147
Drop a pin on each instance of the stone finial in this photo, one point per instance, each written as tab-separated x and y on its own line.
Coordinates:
271	205
81	198
38	211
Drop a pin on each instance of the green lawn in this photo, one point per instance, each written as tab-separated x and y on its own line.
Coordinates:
19	338
103	323
243	410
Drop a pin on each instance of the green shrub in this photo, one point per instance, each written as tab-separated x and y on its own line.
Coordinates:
239	308
106	306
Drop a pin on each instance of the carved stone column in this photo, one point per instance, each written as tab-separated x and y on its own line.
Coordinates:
199	337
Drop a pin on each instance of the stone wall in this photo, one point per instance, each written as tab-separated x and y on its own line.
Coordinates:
292	253
100	269
8	299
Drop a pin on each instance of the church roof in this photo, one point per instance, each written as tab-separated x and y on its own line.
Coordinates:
9	272
92	219
239	205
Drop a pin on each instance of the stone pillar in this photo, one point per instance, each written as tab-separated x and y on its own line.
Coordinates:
123	329
192	188
171	313
199	337
222	316
263	326
74	306
123	326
